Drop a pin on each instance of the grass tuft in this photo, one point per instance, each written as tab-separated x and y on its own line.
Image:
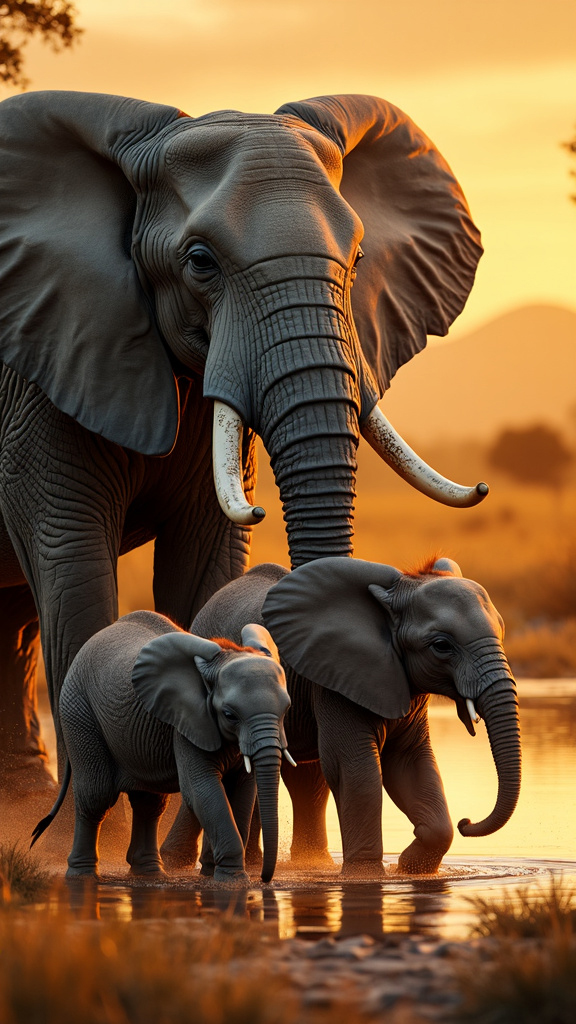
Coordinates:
528	913
22	879
526	972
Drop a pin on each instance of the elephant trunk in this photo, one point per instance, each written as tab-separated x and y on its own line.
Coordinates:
498	705
262	741
267	768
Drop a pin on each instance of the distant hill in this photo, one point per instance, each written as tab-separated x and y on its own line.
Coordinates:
517	369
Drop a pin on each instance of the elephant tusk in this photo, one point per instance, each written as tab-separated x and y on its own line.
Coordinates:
289	757
474	716
247	764
227	467
381	435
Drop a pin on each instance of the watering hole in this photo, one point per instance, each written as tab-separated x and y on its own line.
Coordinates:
540	839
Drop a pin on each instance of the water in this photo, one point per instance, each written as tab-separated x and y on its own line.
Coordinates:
539	840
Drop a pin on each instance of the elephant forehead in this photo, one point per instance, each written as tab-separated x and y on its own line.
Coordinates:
457	606
277	148
248	672
260	194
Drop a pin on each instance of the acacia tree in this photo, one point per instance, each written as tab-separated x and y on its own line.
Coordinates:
53	20
531	455
571	147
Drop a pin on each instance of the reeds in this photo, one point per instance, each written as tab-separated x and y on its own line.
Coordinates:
22	878
526	972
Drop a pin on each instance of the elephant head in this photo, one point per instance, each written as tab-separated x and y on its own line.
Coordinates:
138	244
379	636
212	690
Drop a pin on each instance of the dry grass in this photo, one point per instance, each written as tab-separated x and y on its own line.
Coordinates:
526	973
527	913
55	970
22	879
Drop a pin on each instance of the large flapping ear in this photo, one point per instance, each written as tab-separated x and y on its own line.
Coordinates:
257	636
421	247
171	688
73	317
329	628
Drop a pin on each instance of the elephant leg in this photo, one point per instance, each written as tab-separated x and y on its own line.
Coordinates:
411	778
93	781
241	792
203	791
143	854
253	852
240	789
350	740
23	757
180	847
309	794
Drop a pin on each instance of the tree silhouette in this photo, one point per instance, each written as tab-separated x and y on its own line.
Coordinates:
571	147
53	20
531	455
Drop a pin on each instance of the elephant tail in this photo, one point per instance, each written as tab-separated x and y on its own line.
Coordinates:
43	825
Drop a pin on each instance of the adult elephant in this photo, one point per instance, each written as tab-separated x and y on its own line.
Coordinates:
363	646
157	269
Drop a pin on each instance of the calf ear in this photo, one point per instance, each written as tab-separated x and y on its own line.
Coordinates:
171	688
330	629
257	636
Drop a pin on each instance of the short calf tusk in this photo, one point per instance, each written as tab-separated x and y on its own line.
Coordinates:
247	764
474	716
289	757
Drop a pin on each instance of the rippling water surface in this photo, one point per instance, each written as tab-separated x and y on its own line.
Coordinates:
540	839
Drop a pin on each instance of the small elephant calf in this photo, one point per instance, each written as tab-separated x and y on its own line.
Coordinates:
148	709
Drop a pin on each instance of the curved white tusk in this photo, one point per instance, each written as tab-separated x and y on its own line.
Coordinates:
227	467
381	435
474	716
247	764
289	757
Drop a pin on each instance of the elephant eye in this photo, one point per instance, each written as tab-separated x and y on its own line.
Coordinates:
229	714
358	257
201	261
441	646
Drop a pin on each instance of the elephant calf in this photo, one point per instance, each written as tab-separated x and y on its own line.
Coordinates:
364	645
148	709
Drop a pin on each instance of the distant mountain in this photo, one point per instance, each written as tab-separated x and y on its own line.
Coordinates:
517	369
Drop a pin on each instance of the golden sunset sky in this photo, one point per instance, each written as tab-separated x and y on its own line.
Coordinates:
492	82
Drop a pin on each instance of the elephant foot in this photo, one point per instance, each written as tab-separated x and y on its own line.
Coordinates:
83	873
416	859
362	869
238	879
147	871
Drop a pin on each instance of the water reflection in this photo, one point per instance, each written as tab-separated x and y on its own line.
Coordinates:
540	837
433	907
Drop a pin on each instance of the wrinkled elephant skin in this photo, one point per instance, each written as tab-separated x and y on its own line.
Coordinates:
156	267
364	645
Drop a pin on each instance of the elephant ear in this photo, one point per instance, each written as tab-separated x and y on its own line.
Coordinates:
254	635
421	247
171	688
74	318
330	629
